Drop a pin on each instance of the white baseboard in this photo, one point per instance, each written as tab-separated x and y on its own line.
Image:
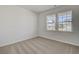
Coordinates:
67	42
13	42
34	36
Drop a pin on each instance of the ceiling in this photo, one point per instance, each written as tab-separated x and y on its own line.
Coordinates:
38	8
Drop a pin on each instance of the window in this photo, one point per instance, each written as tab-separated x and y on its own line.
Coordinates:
51	21
65	21
60	21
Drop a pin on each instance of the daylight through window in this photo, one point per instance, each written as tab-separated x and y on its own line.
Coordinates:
51	21
61	21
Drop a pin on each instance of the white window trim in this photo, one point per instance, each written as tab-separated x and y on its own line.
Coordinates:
56	26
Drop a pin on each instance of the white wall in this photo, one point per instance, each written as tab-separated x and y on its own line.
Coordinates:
66	37
16	24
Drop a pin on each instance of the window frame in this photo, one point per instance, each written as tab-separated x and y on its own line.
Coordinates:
57	23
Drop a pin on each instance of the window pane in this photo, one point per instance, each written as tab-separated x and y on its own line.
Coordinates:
60	27
60	23
51	21
69	26
64	26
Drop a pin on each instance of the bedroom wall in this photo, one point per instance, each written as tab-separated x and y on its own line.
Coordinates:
66	37
16	24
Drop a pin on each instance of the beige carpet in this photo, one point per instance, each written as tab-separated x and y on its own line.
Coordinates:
39	46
